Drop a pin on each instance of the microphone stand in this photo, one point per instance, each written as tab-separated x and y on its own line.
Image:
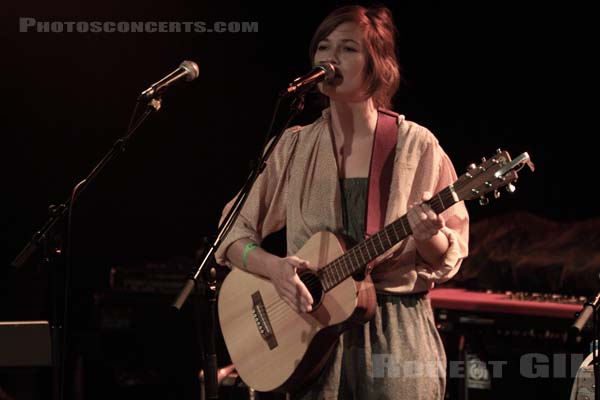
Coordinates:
41	238
590	309
210	377
210	386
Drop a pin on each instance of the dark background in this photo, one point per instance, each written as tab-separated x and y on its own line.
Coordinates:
481	77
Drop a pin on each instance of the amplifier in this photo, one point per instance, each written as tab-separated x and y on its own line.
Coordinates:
25	344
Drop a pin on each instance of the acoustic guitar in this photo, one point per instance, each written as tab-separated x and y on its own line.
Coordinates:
274	347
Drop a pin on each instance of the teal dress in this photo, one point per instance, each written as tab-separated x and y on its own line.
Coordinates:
354	201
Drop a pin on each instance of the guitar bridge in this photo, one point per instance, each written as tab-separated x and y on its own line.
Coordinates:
259	312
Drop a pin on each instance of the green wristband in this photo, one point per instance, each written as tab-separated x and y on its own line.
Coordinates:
247	250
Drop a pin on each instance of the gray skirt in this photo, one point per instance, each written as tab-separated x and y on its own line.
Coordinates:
397	355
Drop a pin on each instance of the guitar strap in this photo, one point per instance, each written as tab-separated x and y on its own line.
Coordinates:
381	170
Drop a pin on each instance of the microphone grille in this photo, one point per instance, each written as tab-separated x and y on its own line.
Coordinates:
192	69
328	68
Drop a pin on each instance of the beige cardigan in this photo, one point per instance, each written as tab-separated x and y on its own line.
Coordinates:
299	189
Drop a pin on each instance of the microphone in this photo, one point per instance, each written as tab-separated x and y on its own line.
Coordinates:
187	70
321	72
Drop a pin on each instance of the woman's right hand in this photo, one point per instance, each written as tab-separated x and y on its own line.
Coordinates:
284	276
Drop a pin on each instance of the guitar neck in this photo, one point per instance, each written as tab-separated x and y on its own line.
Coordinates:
356	259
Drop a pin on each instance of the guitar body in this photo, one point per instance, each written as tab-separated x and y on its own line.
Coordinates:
274	347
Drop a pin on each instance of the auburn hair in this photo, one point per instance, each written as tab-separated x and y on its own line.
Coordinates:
382	73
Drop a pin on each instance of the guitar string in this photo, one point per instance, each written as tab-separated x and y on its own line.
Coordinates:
313	283
279	307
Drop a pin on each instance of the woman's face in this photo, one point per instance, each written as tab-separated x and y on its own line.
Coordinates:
345	49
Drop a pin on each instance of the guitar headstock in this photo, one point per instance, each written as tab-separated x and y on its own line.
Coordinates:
490	175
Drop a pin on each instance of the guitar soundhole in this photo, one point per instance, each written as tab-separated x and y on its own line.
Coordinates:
314	286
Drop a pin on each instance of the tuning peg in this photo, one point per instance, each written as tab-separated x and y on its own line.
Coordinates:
496	194
510	188
471	167
483	159
498	151
484	201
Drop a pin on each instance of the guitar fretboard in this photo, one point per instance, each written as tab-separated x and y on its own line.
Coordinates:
360	255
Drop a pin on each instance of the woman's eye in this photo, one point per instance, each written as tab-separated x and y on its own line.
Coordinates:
352	49
321	47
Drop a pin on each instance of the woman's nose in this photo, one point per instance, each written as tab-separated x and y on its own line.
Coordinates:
331	55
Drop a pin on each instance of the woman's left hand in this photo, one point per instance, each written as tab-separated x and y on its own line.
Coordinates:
424	222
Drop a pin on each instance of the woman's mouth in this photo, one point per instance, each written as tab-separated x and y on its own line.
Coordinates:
337	79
